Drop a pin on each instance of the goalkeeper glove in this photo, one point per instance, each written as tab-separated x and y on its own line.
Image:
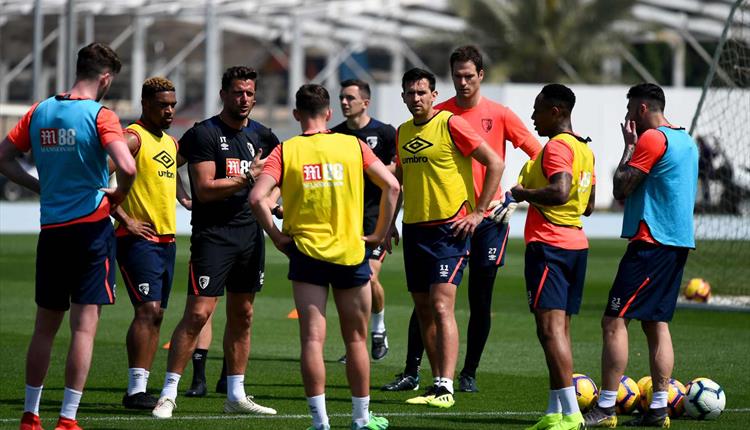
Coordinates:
502	212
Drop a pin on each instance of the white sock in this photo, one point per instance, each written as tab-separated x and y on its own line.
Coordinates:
361	410
137	380
568	400
553	402
236	387
436	381
607	398
317	406
171	380
659	400
377	321
33	397
447	383
71	400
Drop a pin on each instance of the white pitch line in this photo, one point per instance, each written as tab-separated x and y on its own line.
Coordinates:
226	417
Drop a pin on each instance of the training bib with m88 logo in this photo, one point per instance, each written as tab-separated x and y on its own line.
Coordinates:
322	187
67	137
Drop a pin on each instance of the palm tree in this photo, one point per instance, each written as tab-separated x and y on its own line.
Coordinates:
545	40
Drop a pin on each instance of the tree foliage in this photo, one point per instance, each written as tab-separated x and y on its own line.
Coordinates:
545	40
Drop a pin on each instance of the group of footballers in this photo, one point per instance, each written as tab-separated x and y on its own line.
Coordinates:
340	189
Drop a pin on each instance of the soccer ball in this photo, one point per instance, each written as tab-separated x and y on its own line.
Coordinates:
697	290
586	391
642	384
690	384
705	399
675	397
628	396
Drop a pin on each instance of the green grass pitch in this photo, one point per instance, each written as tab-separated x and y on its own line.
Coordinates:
512	377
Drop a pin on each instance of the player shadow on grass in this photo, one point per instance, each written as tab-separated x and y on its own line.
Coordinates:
295	360
461	421
52	407
294	384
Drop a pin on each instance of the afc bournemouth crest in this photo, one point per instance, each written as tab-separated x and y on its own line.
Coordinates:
144	288
203	281
487	124
372	141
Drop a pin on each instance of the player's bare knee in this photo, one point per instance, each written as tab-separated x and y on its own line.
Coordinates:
548	328
195	319
442	310
312	340
610	326
543	333
242	318
149	313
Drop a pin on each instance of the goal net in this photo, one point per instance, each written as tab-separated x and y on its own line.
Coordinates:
721	127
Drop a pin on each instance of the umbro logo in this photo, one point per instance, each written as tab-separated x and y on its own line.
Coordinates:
416	145
165	159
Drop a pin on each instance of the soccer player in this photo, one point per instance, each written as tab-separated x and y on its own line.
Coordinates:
70	136
434	154
322	187
496	124
559	186
657	176
146	232
227	244
381	138
267	140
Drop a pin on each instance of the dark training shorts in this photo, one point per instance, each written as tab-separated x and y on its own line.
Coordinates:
432	255
147	268
554	277
226	257
488	244
303	268
76	263
647	282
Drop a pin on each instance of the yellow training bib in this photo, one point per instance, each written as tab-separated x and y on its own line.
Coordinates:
152	197
437	178
568	214
322	186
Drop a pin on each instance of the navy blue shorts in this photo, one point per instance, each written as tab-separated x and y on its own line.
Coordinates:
76	263
647	282
554	277
231	257
433	256
488	244
303	268
147	268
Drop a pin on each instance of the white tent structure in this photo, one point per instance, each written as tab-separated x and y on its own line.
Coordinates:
191	40
198	33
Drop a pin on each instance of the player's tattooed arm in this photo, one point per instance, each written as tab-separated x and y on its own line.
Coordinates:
627	178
